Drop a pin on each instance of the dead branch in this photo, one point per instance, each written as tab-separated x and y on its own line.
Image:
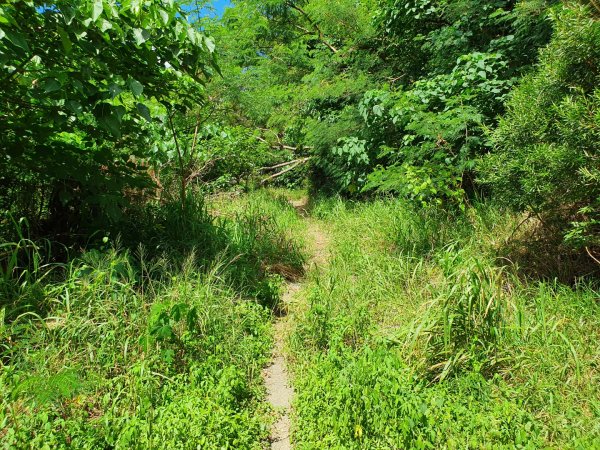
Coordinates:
282	146
287	163
591	256
197	173
278	174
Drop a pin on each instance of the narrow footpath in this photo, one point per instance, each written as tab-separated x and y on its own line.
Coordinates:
280	391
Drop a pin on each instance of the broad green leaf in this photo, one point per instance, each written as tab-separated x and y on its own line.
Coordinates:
97	9
114	12
68	14
74	106
140	35
5	17
497	13
51	85
143	111
105	25
112	124
119	111
114	90
136	87
192	35
164	16
66	42
179	30
135	6
209	42
17	39
80	34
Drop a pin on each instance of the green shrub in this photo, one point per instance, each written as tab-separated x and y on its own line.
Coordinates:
545	153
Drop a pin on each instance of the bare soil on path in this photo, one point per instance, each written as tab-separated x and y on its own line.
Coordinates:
277	382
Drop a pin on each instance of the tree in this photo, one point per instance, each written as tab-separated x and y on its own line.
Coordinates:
390	95
80	81
545	155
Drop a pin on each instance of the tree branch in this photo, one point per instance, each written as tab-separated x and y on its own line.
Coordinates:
211	162
287	163
278	174
314	25
180	159
17	70
282	146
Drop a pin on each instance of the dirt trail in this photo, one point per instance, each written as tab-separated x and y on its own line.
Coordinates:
279	389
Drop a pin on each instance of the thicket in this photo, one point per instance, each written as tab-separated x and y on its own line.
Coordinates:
128	310
402	97
83	84
545	157
410	98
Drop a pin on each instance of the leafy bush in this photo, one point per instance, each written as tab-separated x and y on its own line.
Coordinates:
545	153
346	165
81	80
415	127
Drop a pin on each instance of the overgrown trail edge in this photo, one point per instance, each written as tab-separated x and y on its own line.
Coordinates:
277	382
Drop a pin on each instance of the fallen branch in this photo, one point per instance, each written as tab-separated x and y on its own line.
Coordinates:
287	163
591	256
197	173
283	146
292	167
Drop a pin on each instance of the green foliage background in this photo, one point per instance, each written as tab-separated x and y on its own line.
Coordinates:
140	266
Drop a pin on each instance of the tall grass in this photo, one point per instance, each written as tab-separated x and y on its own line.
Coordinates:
420	334
465	322
149	346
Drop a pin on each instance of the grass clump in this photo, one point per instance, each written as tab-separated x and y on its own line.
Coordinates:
466	318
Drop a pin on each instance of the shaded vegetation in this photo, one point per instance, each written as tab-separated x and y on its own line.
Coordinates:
126	349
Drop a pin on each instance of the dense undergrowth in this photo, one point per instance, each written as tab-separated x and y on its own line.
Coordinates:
154	346
421	333
133	314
